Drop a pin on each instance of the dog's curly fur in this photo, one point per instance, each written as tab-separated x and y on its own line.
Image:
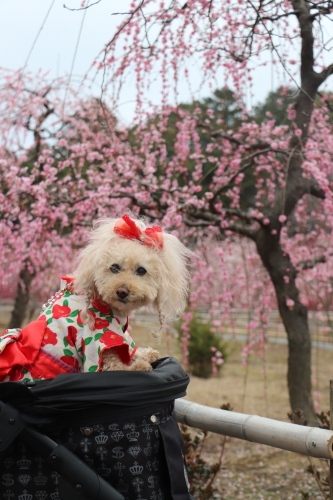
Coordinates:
110	263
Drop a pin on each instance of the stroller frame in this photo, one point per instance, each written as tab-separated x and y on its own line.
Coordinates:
79	480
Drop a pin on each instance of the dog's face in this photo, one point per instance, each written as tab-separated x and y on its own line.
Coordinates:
127	276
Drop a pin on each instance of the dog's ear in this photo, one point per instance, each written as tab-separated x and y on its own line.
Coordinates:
84	275
174	277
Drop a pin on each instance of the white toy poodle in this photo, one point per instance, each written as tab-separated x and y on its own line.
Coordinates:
84	327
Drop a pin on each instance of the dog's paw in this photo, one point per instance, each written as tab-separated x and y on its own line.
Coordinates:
152	355
141	365
147	354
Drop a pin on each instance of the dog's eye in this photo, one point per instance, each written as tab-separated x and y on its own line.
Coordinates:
115	268
140	271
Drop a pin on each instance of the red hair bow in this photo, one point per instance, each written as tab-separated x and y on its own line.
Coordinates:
152	236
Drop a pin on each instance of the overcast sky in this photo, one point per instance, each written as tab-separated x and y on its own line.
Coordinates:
21	22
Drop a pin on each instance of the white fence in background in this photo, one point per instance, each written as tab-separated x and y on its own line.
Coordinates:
235	327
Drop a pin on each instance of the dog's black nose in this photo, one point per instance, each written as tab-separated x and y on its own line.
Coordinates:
122	292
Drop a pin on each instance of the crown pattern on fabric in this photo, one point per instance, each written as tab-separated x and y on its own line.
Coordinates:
136	469
122	487
88	461
103	470
24	463
25	496
101	439
133	436
40	480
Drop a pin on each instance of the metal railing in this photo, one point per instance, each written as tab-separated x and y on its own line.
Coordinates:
310	441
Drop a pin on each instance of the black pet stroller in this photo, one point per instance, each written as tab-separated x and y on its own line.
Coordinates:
94	436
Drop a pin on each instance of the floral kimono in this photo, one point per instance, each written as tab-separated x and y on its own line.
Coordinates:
59	342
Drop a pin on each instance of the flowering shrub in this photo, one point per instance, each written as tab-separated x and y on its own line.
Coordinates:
207	352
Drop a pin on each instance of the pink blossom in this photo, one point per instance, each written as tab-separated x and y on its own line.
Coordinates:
290	303
292	114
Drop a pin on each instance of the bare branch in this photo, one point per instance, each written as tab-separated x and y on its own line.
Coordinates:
276	18
197	223
205	218
325	73
242	215
234	227
311	263
316	191
242	230
219	133
132	197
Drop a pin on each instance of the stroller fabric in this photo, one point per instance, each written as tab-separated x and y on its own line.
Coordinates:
119	423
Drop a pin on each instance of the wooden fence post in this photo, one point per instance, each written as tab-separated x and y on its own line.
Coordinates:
331	427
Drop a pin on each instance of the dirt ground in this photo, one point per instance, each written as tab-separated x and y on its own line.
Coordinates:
249	470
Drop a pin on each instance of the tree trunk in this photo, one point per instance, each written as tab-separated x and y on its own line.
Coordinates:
22	298
278	264
295	320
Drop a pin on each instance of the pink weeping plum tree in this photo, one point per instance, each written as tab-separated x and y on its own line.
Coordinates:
288	220
56	177
264	247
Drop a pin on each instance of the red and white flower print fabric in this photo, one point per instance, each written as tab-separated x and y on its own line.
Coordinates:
59	342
